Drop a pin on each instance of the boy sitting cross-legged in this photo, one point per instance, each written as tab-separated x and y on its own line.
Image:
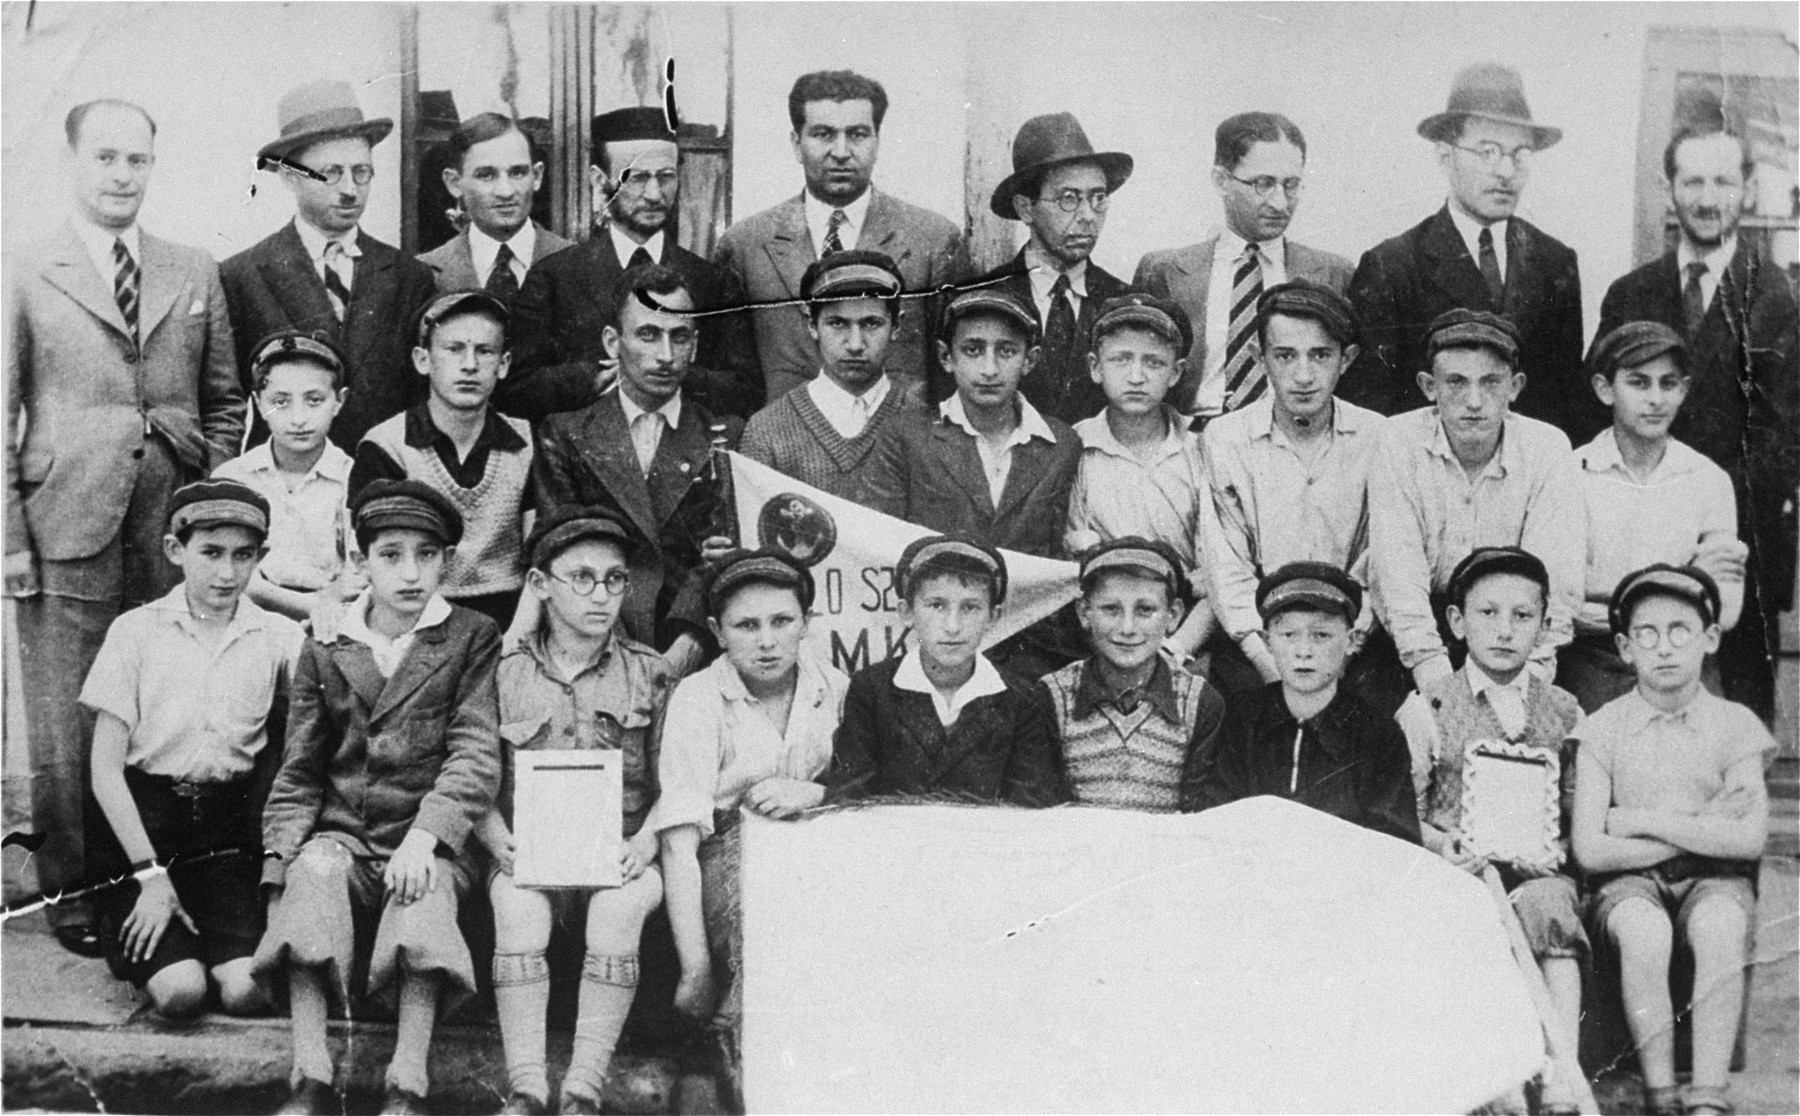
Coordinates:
393	756
1498	601
942	720
181	690
1135	731
575	682
1671	813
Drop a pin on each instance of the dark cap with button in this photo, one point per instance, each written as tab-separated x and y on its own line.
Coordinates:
1158	315
1135	555
565	526
1686	583
1635	343
1463	328
218	503
459	302
1317	586
389	504
857	272
767	566
294	344
989	300
953	554
1303	298
1486	561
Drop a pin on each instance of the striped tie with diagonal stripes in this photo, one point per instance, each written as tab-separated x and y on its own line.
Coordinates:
334	280
125	286
1243	374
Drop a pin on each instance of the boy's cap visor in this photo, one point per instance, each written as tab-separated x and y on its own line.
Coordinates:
563	529
1632	344
1160	316
989	301
293	343
218	504
390	505
445	306
1687	583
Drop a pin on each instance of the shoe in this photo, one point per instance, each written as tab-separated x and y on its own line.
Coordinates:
577	1104
399	1102
82	941
524	1104
311	1097
1706	1100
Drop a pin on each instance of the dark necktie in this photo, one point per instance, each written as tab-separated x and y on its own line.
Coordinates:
1693	300
832	242
1490	267
334	282
125	286
641	258
1059	327
502	283
1243	375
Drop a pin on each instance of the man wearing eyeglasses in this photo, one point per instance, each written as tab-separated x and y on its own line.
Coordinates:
1059	189
566	302
321	271
1475	254
1258	161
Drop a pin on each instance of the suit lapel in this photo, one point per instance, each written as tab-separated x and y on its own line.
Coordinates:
1027	470
547	242
879	231
791	248
963	462
162	283
70	270
288	271
1451	268
357	664
369	318
605	442
681	458
461	270
427	655
1518	267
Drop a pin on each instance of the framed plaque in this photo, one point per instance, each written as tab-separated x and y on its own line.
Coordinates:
1511	803
566	817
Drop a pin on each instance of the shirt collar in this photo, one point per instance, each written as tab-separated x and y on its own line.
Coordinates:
1640	714
670	411
333	465
316	239
1602	456
484	247
624	246
1333	727
355	624
1031	423
537	645
1043	275
1715	259
1469	229
1499	465
1091	691
1231	246
99	243
818	216
496	432
810	686
1096	434
1480	681
985	681
830	395
1260	418
249	617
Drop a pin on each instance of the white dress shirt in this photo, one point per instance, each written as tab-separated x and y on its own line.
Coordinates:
1716	261
848	414
818	219
99	245
624	246
388	652
986	680
315	241
1043	276
646	429
996	462
1470	231
1227	254
484	248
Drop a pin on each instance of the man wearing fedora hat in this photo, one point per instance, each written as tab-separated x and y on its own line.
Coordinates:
321	271
559	361
1059	189
1475	254
836	117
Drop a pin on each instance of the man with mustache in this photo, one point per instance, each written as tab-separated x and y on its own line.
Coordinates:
567	301
1476	254
1737	314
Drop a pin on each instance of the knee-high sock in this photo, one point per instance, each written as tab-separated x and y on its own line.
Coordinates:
522	996
608	985
412	1034
307	1006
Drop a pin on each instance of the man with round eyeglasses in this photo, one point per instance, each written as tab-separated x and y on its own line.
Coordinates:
1259	160
1476	254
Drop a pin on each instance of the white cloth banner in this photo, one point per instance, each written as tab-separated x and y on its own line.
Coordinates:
1259	957
851	552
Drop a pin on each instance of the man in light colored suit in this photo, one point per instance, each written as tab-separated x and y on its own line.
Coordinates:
837	118
1259	159
122	381
494	176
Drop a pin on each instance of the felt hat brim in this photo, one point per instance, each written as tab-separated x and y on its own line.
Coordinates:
1441	126
374	131
1116	165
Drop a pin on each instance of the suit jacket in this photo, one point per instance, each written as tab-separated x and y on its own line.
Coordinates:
585	458
566	302
926	470
452	263
369	757
1743	408
1184	277
272	286
1405	282
87	397
771	250
1060	385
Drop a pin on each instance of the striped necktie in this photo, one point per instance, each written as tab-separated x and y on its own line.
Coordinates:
334	279
1243	374
125	286
833	243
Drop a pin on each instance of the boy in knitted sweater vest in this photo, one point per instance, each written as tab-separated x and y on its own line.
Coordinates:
1498	601
1135	730
458	444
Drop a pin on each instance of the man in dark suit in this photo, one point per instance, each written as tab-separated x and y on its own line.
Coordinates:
321	272
1475	254
643	453
1059	188
1735	309
1258	160
836	116
121	386
559	360
494	175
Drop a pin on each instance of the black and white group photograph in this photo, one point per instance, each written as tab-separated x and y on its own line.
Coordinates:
899	556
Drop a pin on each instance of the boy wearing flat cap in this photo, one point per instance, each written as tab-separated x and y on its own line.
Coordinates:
942	720
1306	738
1466	472
181	692
575	682
1650	498
393	757
1671	815
824	433
1135	731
